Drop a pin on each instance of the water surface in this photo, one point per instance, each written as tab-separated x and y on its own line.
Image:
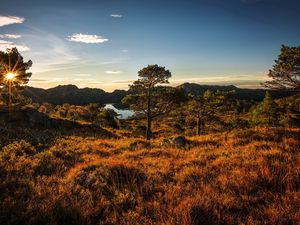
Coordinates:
122	113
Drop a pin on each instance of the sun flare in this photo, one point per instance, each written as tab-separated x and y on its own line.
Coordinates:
10	76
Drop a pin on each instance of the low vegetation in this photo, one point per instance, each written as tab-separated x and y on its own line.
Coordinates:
241	177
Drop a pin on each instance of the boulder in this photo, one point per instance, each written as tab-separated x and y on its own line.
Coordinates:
179	142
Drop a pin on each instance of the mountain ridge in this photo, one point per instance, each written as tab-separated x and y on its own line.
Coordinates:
82	96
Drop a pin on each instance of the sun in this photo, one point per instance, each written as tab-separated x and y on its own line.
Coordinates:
10	76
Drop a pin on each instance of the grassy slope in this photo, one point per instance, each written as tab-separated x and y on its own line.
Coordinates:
242	177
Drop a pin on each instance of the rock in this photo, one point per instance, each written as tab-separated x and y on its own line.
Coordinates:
179	142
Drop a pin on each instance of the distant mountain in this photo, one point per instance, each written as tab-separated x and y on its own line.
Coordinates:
73	95
242	94
82	96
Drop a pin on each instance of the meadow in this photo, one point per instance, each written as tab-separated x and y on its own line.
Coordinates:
245	176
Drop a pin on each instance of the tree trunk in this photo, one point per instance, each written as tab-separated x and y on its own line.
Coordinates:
148	131
198	125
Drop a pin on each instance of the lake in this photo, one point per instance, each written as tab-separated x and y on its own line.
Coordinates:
122	113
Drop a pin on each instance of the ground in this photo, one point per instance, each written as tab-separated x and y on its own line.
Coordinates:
240	177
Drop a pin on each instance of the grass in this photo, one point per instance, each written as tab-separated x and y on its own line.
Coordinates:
239	177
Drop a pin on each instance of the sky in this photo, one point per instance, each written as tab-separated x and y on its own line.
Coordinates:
104	43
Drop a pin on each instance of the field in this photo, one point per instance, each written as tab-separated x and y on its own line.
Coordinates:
247	176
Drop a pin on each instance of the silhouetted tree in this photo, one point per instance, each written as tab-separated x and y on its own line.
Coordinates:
149	99
285	73
11	61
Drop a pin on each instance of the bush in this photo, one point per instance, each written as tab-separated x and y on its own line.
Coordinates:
18	148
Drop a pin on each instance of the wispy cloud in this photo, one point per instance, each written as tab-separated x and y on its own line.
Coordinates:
116	15
7	20
113	71
124	50
122	81
8	44
87	38
10	36
54	55
53	80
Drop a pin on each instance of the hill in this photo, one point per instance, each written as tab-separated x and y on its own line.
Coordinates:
240	93
73	95
82	96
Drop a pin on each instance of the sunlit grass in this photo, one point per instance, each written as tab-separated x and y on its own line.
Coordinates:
248	177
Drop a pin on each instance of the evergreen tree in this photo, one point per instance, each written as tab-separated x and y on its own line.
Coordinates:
152	100
265	113
285	73
210	106
11	62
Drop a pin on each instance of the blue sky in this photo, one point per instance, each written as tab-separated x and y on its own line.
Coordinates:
103	43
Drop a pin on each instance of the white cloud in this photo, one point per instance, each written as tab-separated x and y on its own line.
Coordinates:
87	38
113	72
124	50
8	44
116	15
11	36
6	20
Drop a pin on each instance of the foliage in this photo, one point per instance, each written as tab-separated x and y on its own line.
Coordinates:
11	61
285	74
107	118
148	99
91	113
209	107
265	113
163	101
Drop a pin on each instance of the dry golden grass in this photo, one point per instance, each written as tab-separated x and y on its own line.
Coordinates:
241	177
